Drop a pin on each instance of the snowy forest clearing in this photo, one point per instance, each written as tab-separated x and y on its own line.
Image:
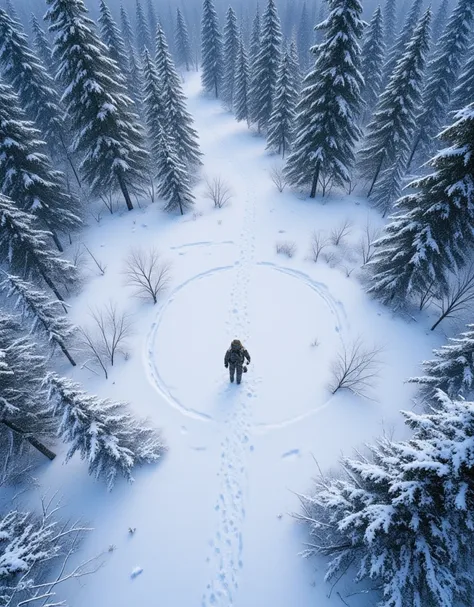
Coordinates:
212	519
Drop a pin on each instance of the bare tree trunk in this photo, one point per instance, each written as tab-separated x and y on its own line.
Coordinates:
376	175
31	439
315	181
71	163
125	192
442	317
413	151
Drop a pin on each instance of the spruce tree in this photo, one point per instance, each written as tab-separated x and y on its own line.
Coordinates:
390	132
26	250
305	39
281	125
230	50
179	123
143	35
46	315
23	411
451	370
106	131
242	77
267	64
464	91
432	231
42	46
102	432
134	74
254	50
26	173
390	21
326	130
295	66
35	88
443	72
211	49
111	37
153	103
182	43
373	54
401	515
126	28
152	20
439	21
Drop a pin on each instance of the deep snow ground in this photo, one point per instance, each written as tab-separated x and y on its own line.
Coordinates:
213	524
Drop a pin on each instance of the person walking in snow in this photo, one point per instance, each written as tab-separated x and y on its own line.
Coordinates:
235	358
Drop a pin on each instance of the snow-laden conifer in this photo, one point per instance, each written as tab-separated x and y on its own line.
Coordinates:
179	123
106	131
152	20
305	38
326	124
242	81
281	125
439	21
372	58
267	64
126	28
443	71
295	66
26	173
42	46
143	35
102	432
254	50
153	101
211	49
182	42
463	94
390	21
432	230
112	38
229	55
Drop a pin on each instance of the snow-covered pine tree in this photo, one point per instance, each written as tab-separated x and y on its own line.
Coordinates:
463	94
23	413
26	173
267	64
439	21
390	133
373	54
126	28
172	175
242	77
402	514
182	43
443	71
229	55
211	49
46	314
396	52
152	20
106	131
431	233
143	36
42	46
26	250
390	21
254	50
305	39
179	123
111	37
282	120
134	73
10	9
35	88
451	370
102	432
326	125
295	66
153	102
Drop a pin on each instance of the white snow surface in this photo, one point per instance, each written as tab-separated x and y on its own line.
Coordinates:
213	518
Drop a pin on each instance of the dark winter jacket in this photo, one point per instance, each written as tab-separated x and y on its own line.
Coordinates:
236	355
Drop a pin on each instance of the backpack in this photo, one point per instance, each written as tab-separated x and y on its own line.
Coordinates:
236	356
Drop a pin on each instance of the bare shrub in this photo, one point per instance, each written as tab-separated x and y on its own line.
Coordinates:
339	233
318	243
110	202
99	264
218	190
332	259
77	255
355	368
107	336
366	243
146	273
278	177
347	271
458	297
286	247
315	343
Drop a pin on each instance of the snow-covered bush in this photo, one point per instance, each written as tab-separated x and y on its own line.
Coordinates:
218	190
287	248
402	516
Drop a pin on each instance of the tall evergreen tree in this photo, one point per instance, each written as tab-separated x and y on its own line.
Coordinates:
230	50
111	37
101	431
432	231
134	73
211	49
172	175
326	130
154	104
281	125
451	370
439	21
26	173
152	19
179	123
242	78
34	87
26	250
45	314
390	21
464	91
267	65
390	132
10	8
305	38
42	46
126	27
295	66
182	43
106	130
143	36
443	72
373	54
254	50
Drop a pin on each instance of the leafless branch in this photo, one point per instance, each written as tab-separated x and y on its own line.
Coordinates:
287	248
218	190
366	246
355	368
318	243
146	273
459	296
340	232
100	265
278	177
110	202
